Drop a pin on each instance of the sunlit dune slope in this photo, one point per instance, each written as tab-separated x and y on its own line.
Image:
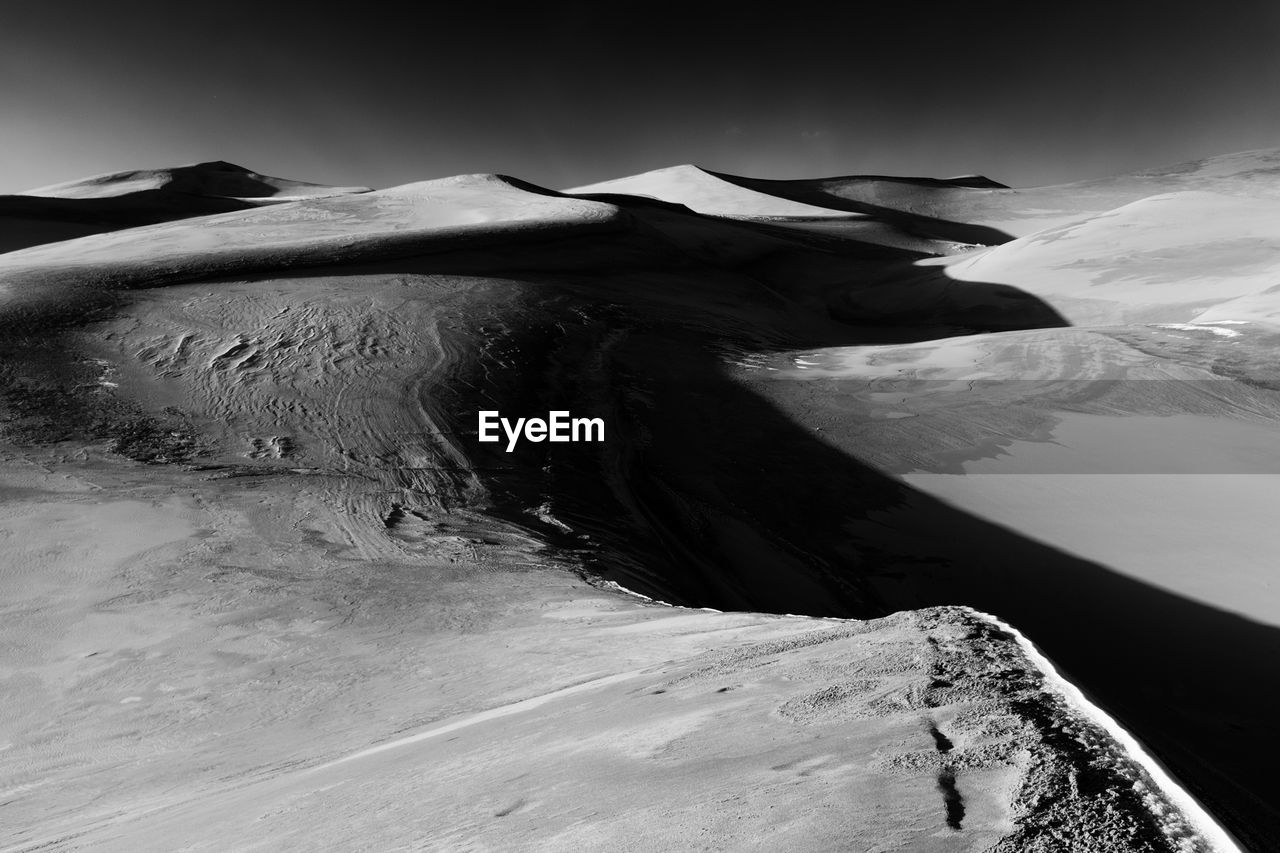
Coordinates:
216	179
469	222
787	204
1177	257
413	218
128	199
974	201
705	192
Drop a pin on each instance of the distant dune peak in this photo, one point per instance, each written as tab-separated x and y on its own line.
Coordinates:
220	166
977	181
136	197
212	179
708	192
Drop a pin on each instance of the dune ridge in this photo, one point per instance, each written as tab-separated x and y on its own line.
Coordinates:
214	179
704	192
117	200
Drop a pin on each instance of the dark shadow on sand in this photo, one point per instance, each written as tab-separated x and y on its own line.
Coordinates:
918	224
706	494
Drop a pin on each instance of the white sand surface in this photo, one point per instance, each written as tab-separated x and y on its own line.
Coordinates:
443	207
703	192
1182	502
184	677
1167	258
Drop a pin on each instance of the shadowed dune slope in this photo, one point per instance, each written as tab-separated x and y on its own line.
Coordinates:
788	204
480	222
914	205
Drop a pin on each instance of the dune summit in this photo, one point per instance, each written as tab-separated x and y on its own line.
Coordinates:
888	536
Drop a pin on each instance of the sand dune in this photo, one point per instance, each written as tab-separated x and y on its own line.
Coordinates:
1024	210
262	546
216	179
455	700
126	199
705	192
974	201
486	205
1170	258
780	202
432	216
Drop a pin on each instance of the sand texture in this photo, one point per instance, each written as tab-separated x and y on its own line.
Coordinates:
264	589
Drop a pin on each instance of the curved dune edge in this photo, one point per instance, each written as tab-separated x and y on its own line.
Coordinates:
1187	823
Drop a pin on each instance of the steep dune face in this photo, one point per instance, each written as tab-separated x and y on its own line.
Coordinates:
371	608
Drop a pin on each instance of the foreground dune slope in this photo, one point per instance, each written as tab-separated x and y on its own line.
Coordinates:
273	592
263	685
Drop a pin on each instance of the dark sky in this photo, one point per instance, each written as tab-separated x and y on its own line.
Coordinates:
567	93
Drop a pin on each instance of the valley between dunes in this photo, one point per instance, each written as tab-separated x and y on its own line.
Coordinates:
264	589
